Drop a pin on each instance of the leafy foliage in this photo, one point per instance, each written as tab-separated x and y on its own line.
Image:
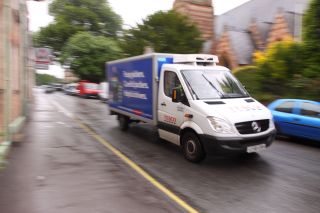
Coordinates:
280	71
72	16
311	26
89	54
164	32
55	35
280	63
43	79
248	75
311	39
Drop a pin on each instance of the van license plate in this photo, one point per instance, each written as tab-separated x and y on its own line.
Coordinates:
256	148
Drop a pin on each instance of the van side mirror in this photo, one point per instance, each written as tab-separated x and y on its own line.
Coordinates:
176	95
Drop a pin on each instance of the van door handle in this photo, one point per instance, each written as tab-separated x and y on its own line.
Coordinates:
163	104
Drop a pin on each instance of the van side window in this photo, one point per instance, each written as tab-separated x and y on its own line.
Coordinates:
286	106
171	81
309	109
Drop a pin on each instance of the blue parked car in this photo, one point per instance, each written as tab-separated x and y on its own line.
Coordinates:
295	117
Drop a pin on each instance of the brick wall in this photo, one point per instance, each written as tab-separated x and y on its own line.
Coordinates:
17	66
256	36
1	68
223	49
279	29
200	13
1	115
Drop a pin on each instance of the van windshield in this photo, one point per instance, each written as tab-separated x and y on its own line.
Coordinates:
213	84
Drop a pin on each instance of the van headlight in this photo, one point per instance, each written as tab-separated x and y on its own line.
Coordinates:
220	126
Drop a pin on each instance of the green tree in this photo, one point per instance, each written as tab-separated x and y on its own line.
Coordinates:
278	65
88	54
72	16
43	79
164	32
311	25
55	35
311	39
248	76
281	72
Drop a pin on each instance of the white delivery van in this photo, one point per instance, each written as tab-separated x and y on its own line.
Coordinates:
193	102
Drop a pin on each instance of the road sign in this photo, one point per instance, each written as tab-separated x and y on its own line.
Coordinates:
43	58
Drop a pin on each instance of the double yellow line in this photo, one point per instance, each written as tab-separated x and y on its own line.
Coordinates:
129	162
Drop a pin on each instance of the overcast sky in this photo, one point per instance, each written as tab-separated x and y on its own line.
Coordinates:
131	11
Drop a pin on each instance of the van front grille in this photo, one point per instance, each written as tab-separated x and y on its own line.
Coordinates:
252	127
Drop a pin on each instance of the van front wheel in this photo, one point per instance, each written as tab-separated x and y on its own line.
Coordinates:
192	147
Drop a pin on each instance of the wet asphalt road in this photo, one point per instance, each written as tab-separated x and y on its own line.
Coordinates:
284	178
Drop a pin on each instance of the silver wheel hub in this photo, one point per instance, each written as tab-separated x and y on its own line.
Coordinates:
191	146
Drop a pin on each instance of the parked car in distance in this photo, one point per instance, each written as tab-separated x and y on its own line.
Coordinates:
57	86
296	117
104	91
49	89
88	89
71	89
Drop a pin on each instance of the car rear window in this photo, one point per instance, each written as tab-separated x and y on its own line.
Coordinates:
310	109
286	106
91	86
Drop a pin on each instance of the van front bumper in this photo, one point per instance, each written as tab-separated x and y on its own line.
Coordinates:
237	144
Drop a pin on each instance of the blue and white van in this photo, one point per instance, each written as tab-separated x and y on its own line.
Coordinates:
193	102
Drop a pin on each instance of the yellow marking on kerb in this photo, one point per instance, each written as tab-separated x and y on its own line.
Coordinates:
129	162
138	169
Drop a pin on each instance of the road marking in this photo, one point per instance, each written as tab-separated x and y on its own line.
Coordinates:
62	109
129	162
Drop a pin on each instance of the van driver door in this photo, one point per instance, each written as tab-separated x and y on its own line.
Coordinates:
170	114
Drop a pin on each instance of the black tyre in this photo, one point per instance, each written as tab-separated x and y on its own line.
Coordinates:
123	122
192	148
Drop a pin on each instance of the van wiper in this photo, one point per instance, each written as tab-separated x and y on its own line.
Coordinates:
220	93
188	84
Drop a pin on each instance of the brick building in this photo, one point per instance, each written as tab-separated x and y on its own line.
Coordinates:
238	33
252	26
16	72
199	12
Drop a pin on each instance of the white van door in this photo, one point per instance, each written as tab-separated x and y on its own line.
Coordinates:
170	114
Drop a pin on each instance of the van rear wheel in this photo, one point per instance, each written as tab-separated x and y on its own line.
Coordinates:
192	147
123	122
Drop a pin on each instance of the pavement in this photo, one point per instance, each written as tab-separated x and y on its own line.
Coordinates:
59	167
